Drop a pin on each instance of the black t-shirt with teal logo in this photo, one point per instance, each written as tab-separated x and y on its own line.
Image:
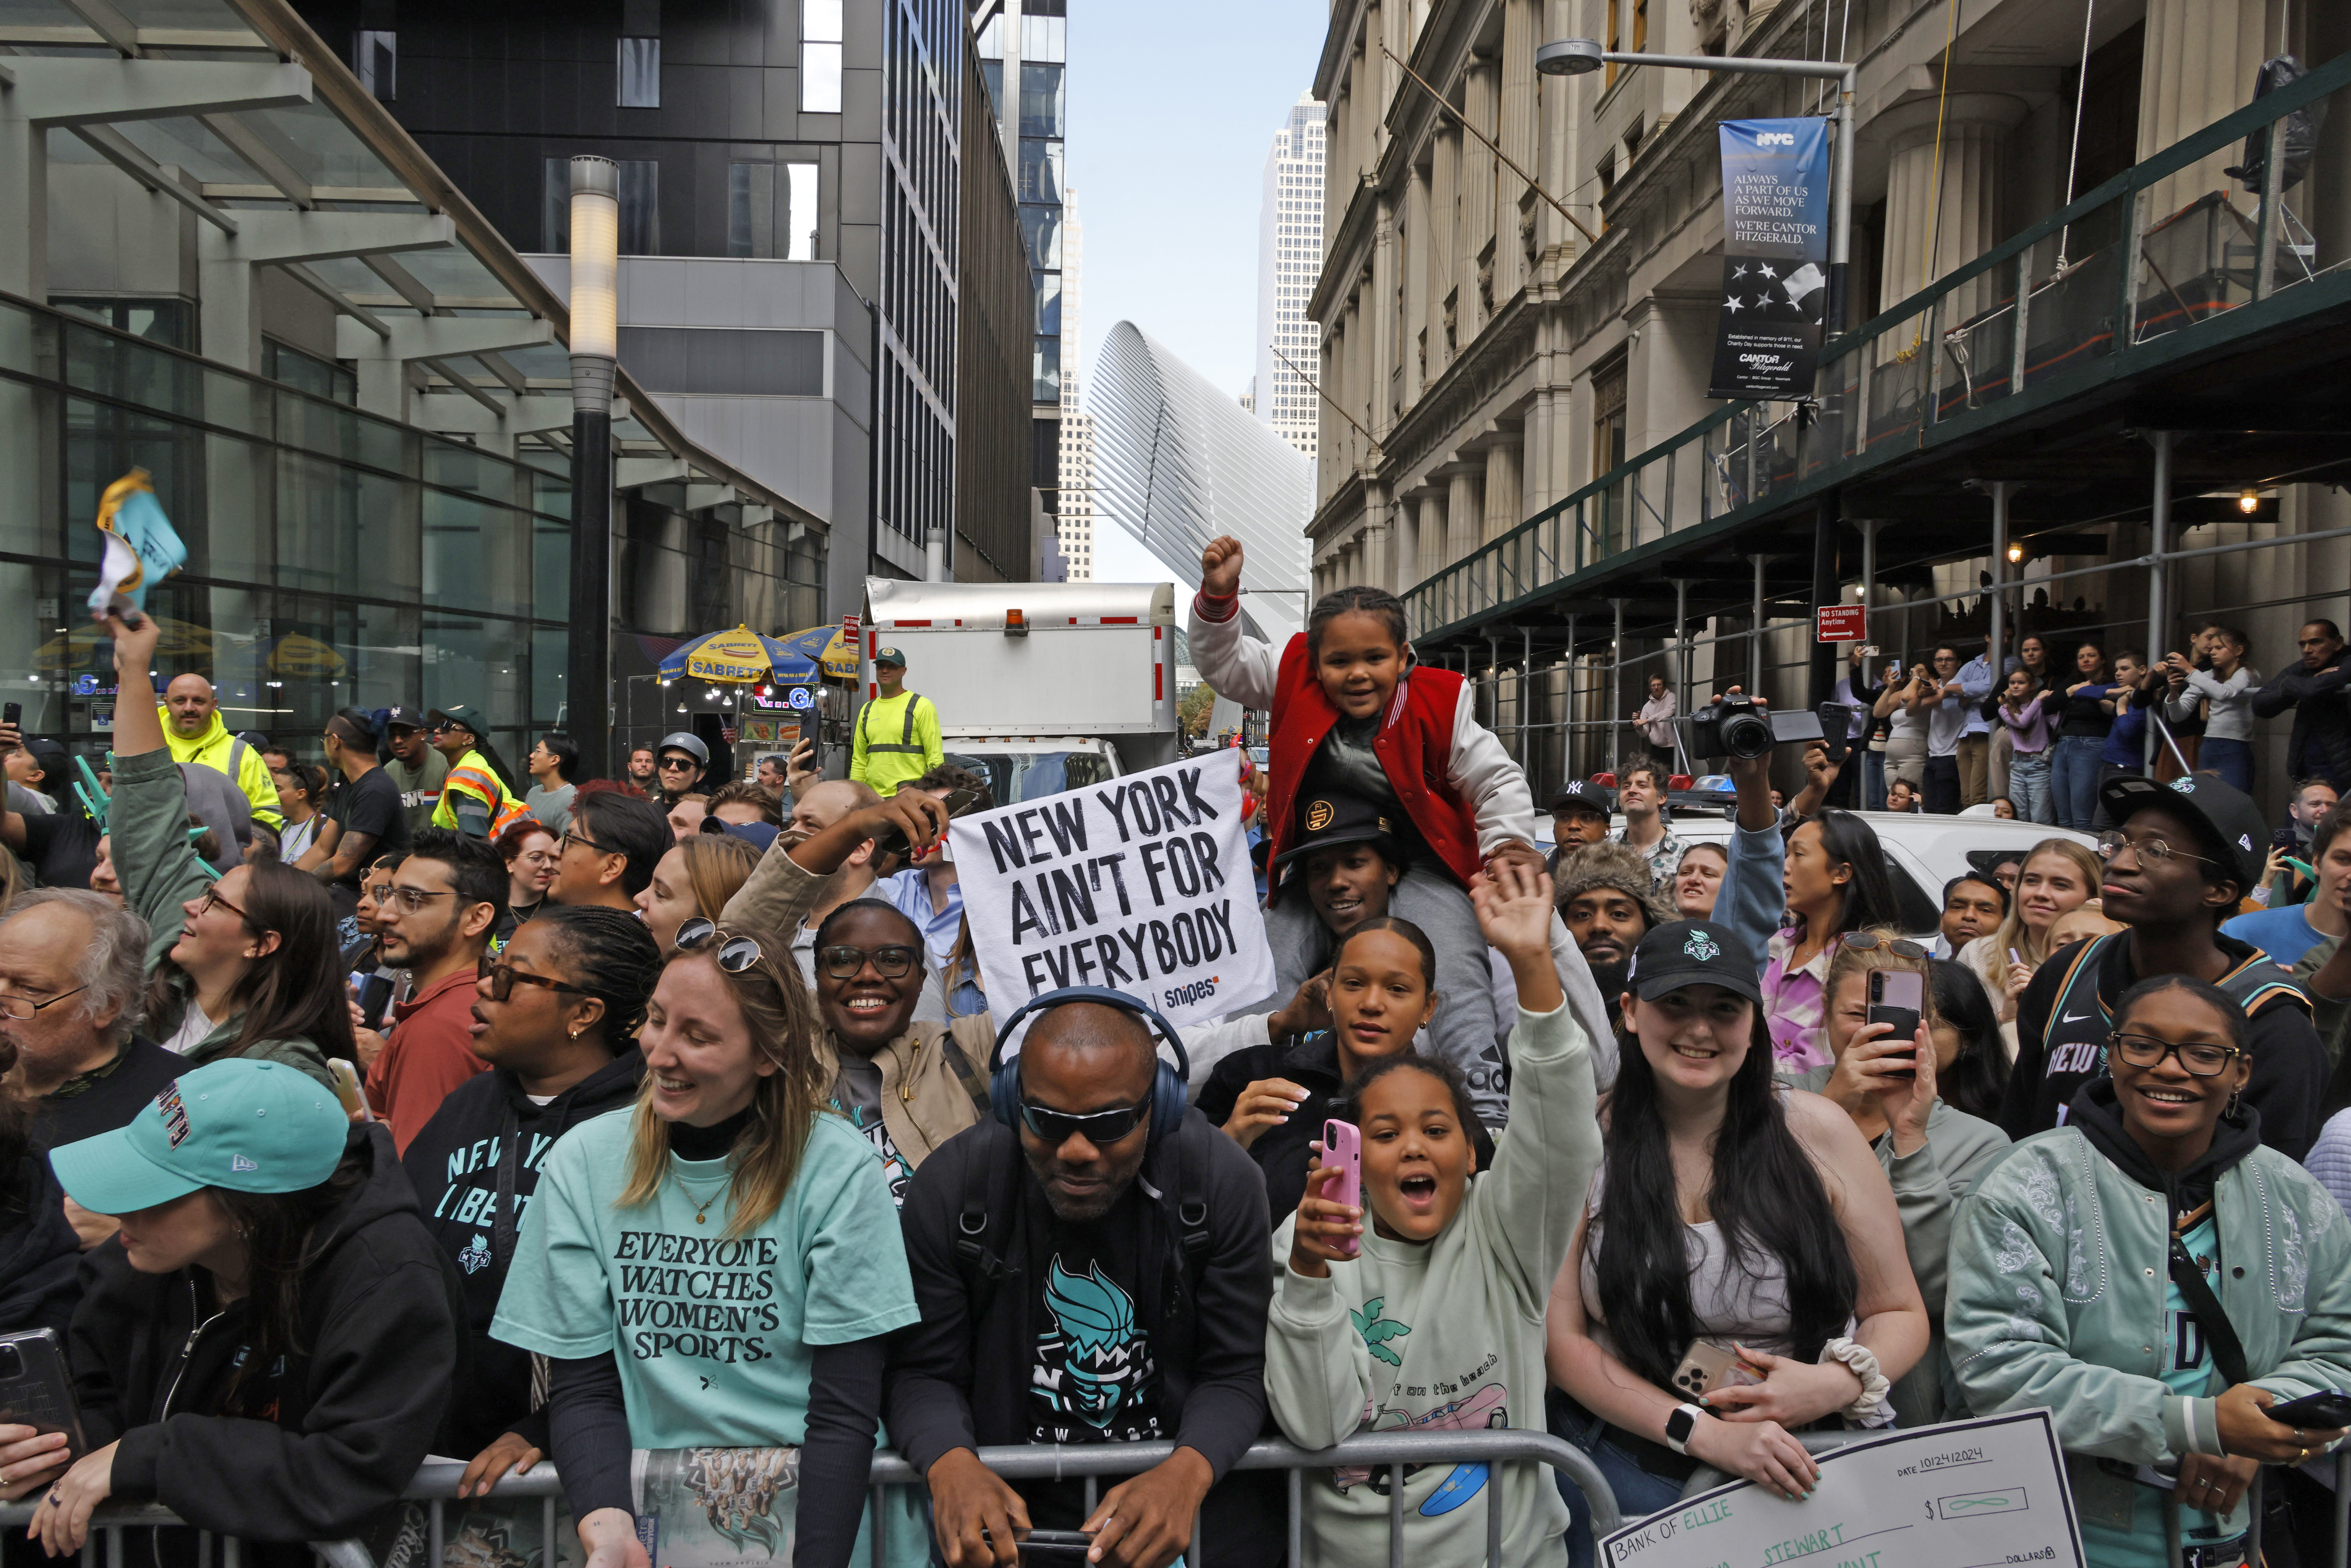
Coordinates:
1092	1378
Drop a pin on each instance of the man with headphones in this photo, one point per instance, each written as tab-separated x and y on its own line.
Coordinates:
1091	1263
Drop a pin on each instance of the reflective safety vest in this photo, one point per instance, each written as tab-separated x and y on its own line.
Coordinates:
472	779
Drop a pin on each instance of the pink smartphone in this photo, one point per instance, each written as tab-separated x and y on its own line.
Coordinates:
1342	1145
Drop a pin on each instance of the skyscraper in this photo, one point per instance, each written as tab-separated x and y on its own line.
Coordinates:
1076	522
1290	255
1023	45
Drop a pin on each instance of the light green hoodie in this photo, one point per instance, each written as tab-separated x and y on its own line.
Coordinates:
1447	1336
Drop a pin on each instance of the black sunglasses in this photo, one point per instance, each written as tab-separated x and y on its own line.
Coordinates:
502	979
735	953
1100	1128
844	962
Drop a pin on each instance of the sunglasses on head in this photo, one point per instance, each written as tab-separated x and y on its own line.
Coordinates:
1864	941
734	953
1100	1128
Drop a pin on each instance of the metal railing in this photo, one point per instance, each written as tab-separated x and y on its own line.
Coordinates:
2147	287
435	1485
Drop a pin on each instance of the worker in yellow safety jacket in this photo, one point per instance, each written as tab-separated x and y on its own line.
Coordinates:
897	738
475	798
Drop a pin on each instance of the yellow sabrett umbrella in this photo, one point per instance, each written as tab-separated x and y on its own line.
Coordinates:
297	655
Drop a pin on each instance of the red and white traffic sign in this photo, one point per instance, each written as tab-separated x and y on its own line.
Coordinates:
1841	622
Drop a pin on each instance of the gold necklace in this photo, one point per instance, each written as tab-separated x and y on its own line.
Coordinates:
701	1205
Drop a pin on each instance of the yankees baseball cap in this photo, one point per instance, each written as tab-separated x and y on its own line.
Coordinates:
247	1125
1580	795
2232	823
1690	953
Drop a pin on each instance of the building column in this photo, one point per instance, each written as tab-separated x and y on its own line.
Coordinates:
1478	100
1383	345
1443	318
1431	533
2199	65
1502	471
1973	127
1516	133
1416	266
1465	516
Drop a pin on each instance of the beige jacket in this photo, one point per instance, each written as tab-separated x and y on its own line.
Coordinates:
934	1076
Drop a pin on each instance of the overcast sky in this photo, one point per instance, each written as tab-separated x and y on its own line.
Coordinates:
1171	112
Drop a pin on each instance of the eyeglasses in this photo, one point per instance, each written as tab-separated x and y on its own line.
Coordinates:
735	953
1863	941
213	900
502	979
21	1007
677	762
2152	850
843	963
574	836
412	899
376	893
1100	1128
2146	1050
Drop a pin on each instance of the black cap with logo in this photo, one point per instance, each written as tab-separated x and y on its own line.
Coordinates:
1326	821
2236	824
1693	953
1580	795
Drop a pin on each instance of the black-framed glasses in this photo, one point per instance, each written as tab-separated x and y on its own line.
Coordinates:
891	962
574	836
412	899
2198	1059
1864	941
502	979
734	953
10	1006
213	900
2151	848
1100	1128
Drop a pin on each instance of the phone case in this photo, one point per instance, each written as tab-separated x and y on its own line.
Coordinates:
1056	1546
37	1389
2323	1411
1904	1019
1342	1145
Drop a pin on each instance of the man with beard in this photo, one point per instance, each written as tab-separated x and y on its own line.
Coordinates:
435	921
1096	1273
1608	903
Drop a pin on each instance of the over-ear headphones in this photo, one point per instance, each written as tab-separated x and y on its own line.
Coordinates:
1168	1096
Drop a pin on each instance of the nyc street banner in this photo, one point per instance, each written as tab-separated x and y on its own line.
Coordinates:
1775	205
1141	884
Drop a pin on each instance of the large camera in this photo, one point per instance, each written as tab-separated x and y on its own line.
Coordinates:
1737	726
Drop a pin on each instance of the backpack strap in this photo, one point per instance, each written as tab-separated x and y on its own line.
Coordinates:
967	1072
987	1193
2219	1333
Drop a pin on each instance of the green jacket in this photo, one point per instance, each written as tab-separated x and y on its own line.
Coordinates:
147	823
2057	1298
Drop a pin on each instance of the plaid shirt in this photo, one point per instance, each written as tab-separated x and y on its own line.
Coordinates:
1664	856
1795	1006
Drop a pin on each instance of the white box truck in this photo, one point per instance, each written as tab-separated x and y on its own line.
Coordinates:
1041	686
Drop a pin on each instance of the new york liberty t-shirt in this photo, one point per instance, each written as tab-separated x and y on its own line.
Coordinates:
712	1331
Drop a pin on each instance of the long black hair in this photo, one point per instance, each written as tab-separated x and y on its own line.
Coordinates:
1767	1201
1869	892
283	1242
1977	1076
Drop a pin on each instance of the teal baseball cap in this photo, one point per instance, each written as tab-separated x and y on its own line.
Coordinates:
889	656
250	1126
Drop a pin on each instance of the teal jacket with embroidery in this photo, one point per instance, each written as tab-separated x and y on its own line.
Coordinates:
2057	1298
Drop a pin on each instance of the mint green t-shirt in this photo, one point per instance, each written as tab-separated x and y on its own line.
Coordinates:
711	1331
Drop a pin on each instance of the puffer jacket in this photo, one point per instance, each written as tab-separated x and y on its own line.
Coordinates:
221	752
2057	1298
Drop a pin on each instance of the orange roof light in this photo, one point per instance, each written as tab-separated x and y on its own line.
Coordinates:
1016	624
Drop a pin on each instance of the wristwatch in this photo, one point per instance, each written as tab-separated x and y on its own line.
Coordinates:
1679	1426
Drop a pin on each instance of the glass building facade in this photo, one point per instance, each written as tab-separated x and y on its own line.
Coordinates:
1037	32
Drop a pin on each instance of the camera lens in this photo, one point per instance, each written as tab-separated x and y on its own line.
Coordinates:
1746	734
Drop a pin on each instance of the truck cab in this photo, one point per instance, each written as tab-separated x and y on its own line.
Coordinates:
1039	686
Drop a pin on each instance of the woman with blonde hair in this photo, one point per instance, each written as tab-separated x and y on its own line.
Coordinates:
701	1268
2059	875
696	879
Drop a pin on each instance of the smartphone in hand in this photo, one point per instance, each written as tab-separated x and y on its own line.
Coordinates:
1898	997
1342	1145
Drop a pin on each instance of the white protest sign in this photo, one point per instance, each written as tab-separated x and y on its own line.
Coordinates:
1960	1495
1141	884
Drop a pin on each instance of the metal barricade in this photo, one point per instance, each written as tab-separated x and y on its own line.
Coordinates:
436	1483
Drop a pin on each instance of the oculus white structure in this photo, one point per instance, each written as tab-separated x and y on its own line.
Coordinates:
1178	461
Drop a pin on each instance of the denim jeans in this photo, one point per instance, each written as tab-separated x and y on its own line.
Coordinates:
1873	781
2028	788
2231	760
1638	1493
2074	778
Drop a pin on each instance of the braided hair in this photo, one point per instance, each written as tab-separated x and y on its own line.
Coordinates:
618	962
1359	599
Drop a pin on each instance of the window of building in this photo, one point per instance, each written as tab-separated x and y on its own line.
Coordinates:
771	211
1040	170
821	56
640	72
1608	447
1040	99
321	378
375	60
172	322
640	205
802	216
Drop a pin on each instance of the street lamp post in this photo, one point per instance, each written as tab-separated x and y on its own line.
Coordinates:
1579	57
595	345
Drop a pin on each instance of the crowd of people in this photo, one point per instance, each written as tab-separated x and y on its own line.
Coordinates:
430	1116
